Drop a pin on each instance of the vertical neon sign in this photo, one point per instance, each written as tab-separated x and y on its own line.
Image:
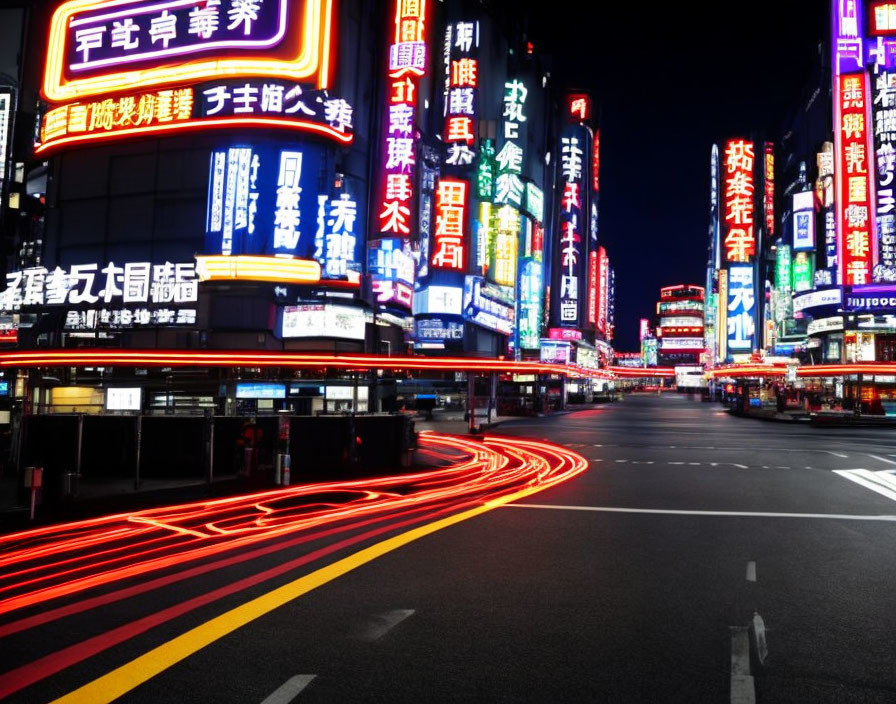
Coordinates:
461	83
769	201
740	241
451	215
407	63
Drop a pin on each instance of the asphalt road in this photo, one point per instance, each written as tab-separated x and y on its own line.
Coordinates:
636	581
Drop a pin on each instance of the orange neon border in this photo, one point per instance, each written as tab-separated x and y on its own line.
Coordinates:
195	125
314	61
245	267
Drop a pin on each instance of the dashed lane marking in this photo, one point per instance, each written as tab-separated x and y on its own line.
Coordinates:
751	571
289	690
881	459
381	624
711	514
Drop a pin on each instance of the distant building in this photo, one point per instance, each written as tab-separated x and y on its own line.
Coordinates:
679	327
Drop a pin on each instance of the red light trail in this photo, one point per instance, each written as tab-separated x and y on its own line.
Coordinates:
175	358
98	559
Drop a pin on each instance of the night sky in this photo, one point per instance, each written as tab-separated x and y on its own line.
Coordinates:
670	79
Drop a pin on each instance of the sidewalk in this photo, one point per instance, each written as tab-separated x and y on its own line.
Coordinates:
791	416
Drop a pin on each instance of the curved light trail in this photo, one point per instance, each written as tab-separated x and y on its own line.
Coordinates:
48	563
97	560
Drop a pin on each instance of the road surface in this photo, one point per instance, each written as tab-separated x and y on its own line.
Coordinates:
699	558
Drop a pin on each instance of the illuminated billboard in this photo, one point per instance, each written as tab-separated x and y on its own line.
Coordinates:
266	199
450	239
803	220
571	206
531	300
323	320
146	67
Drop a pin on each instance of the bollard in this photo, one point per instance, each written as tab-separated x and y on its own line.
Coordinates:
34	478
281	469
287	461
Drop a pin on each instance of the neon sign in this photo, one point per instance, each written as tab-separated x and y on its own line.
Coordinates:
509	188
603	293
507	228
461	84
769	195
336	242
740	242
86	284
883	18
531	292
93	50
486	305
578	107
250	103
263	200
407	63
571	218
449	247
803	220
98	38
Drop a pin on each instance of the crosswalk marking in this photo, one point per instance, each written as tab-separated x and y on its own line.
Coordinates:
883	482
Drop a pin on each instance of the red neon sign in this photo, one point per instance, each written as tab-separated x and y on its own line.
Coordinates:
740	242
593	287
603	308
769	190
883	18
451	215
578	107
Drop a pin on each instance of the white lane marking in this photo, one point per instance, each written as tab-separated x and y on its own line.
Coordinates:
758	629
780	467
836	454
881	482
743	689
289	690
751	571
882	459
713	464
694	464
676	462
649	462
741	466
597	459
735	514
621	461
381	624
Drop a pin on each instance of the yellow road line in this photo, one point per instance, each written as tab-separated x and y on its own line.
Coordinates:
115	684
